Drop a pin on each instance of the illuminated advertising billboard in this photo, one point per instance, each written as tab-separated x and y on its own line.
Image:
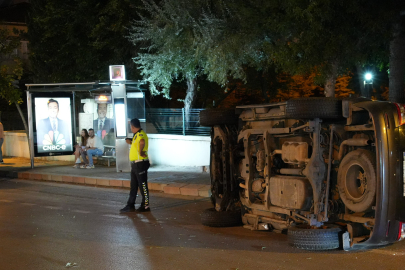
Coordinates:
98	114
117	73
52	125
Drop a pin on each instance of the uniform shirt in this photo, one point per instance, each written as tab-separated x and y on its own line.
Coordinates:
134	152
95	142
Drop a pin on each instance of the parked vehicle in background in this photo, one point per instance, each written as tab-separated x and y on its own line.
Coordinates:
325	170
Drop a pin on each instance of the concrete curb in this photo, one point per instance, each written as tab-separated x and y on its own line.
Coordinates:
168	188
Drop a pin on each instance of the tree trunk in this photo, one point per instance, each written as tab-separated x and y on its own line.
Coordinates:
397	64
263	84
26	128
189	100
331	81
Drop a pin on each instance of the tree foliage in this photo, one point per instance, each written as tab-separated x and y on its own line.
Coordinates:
301	35
288	86
172	38
10	66
220	38
342	86
11	70
186	39
73	41
297	86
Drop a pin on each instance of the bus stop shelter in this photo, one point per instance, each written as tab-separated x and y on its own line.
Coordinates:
57	113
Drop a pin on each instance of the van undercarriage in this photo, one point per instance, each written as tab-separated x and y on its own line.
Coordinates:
306	166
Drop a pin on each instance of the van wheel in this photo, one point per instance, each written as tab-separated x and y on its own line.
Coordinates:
214	117
212	218
317	107
302	236
357	180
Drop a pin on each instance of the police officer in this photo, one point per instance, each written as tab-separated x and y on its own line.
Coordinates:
138	156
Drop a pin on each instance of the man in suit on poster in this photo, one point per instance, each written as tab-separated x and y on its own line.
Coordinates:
102	125
60	129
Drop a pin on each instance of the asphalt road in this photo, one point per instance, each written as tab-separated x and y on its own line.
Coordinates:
60	226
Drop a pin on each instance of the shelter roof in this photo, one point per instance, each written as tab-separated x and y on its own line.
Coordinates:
97	86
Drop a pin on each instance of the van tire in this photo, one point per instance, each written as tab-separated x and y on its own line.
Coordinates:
317	107
213	117
358	196
303	237
213	218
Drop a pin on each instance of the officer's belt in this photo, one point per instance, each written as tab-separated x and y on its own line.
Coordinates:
136	161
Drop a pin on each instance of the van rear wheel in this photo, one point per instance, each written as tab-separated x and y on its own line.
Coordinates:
304	237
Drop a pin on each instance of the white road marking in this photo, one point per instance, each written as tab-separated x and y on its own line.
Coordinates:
7	201
53	207
81	211
114	216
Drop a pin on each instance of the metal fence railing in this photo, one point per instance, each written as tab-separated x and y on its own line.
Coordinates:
174	121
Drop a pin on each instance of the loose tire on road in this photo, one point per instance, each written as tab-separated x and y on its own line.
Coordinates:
318	107
357	180
212	218
314	239
214	117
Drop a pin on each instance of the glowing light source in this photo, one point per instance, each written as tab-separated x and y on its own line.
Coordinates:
103	99
368	76
120	120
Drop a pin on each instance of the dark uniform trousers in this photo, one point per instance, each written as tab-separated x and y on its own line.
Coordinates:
139	179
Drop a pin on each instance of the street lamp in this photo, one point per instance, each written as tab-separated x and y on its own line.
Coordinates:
368	77
368	84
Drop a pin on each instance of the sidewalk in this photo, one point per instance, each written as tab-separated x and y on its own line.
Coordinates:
171	180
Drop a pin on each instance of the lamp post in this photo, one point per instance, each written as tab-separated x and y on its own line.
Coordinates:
368	84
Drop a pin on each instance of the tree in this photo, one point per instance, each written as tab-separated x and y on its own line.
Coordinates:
397	56
75	41
342	86
297	86
220	39
333	36
172	38
11	70
10	66
329	35
296	36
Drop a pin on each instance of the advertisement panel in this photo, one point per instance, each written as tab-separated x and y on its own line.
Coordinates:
117	73
52	125
98	114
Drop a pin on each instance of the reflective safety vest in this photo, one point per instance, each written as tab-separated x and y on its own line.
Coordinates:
134	152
